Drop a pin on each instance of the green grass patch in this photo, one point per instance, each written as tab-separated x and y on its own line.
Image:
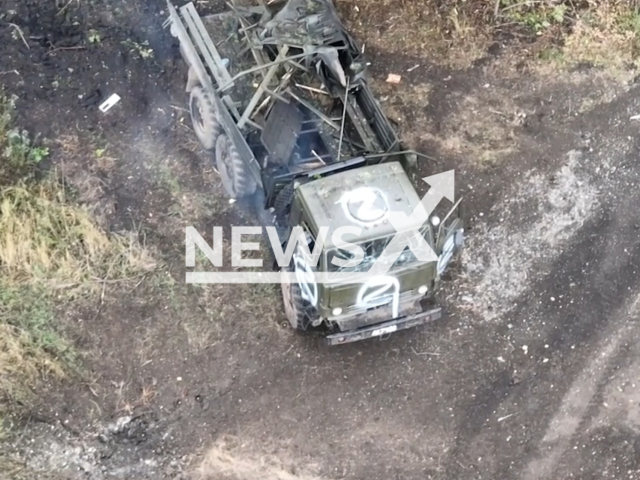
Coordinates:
31	349
51	252
535	15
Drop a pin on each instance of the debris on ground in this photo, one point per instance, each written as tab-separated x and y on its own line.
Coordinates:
109	103
394	78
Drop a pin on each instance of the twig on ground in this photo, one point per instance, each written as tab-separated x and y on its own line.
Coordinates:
425	353
19	468
138	284
506	24
79	47
117	280
97	406
19	30
106	278
526	3
64	8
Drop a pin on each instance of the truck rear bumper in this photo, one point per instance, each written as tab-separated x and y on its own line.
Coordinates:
384	328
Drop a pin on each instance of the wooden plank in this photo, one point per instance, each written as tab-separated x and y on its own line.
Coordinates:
201	48
258	55
197	39
193	59
210	52
263	85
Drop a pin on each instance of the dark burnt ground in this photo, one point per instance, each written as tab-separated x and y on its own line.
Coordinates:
460	398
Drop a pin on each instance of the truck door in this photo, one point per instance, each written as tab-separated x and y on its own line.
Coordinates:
450	236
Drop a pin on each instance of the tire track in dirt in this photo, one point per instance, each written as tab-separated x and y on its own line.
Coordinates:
578	400
561	320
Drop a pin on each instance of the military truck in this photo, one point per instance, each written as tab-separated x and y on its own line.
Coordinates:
278	92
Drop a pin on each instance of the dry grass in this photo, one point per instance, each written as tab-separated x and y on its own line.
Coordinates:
482	130
230	459
23	361
457	32
606	36
451	32
51	251
86	171
43	237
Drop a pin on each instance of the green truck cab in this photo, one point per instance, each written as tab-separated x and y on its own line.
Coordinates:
374	305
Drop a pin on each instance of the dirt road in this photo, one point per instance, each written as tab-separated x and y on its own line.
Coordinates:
534	374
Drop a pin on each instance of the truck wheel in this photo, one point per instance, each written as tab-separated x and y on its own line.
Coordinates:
204	117
235	175
294	304
282	203
269	261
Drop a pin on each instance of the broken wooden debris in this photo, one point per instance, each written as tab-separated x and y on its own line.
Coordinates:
394	78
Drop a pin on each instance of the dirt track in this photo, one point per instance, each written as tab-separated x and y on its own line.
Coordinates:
535	373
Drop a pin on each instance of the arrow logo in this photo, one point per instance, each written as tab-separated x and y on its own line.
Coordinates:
408	226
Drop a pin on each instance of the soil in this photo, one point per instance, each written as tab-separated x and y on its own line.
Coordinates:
533	374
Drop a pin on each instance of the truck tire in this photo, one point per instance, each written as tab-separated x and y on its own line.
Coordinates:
282	203
269	261
204	117
294	304
235	175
